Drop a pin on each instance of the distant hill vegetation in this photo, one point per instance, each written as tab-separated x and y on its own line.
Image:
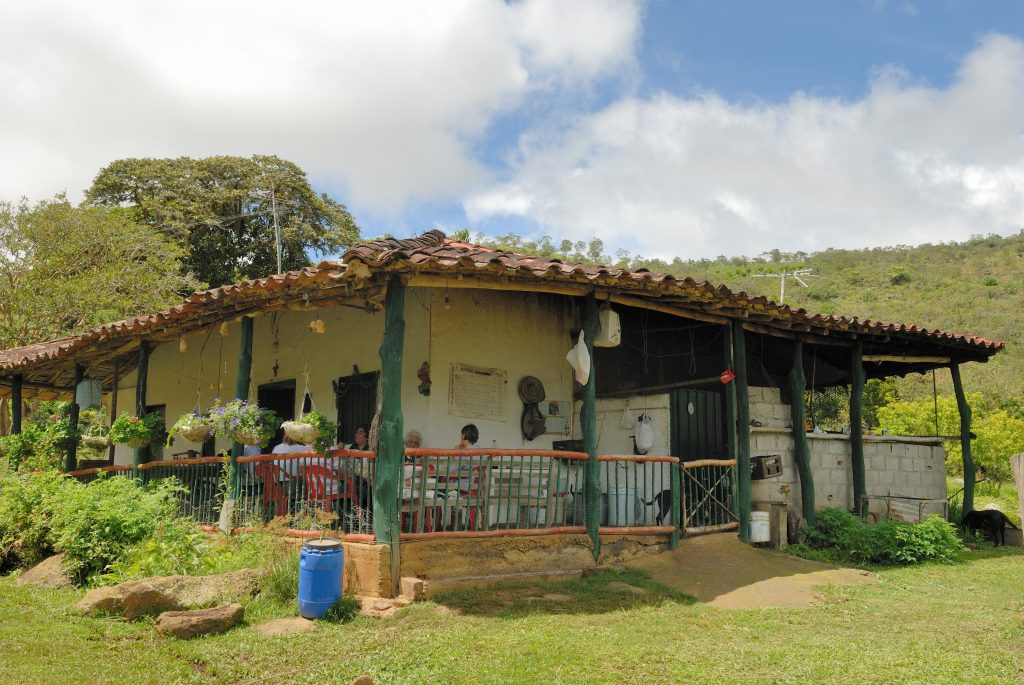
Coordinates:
976	286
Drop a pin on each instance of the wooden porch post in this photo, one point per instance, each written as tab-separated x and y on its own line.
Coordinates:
141	377
113	408
741	402
731	431
801	450
965	438
16	403
860	502
390	443
71	461
588	424
242	383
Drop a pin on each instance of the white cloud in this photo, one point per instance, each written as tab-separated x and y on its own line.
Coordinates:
702	176
385	98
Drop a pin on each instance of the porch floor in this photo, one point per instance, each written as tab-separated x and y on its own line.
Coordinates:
721	571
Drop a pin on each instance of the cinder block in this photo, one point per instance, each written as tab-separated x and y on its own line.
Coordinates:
412	589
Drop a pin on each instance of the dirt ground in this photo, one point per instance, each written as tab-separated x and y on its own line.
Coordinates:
721	571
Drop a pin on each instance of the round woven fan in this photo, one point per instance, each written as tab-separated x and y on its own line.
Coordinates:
531	390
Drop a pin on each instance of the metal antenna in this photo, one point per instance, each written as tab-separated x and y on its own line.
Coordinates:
795	274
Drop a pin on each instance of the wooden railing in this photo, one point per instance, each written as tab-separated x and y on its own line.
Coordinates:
707	486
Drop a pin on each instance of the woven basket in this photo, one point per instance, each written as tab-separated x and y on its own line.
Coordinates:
302	433
195	433
137	443
96	442
246	438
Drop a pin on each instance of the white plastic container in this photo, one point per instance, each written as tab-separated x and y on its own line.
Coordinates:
622	506
759	526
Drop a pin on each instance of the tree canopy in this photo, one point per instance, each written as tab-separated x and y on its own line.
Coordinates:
64	269
220	211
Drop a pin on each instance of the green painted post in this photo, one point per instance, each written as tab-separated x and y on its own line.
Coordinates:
242	383
742	423
801	450
71	460
860	502
141	377
965	438
390	442
16	403
588	424
731	431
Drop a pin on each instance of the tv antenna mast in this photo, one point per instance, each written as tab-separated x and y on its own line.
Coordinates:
795	274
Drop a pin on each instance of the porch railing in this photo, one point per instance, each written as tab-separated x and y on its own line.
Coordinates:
490	492
707	486
638	494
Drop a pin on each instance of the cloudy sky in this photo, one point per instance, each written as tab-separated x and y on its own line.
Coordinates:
665	128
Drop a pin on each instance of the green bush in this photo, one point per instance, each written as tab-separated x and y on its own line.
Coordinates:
840	536
175	547
26	516
96	525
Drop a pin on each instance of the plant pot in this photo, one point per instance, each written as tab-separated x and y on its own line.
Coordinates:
246	438
302	433
96	442
139	442
195	433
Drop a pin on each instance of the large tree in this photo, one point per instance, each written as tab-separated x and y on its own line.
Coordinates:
221	211
66	268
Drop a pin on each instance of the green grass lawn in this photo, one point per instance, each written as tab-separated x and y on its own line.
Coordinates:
930	624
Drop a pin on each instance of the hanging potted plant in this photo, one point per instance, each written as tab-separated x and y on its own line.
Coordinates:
245	422
312	429
136	431
94	428
193	426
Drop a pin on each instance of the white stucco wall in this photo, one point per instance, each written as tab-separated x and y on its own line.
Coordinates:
895	466
521	333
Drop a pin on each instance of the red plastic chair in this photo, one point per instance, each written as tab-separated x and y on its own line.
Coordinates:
318	479
272	476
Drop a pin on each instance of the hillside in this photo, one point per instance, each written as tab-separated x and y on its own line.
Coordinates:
976	286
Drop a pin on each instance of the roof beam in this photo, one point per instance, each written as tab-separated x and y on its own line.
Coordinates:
905	359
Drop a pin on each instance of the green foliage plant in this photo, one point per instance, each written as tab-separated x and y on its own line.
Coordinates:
839	536
244	421
193	426
175	547
98	524
136	431
27	503
44	439
326	430
342	611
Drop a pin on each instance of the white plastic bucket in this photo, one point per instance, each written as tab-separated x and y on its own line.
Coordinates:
622	506
759	526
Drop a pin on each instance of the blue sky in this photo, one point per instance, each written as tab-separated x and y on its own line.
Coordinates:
664	128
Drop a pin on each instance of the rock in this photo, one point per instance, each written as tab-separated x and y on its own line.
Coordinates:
185	625
412	589
48	573
169	593
381	607
281	627
363	680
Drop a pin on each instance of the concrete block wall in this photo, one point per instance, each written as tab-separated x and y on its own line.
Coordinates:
895	466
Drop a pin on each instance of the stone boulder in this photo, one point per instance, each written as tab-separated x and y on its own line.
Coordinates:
185	625
48	573
169	593
381	607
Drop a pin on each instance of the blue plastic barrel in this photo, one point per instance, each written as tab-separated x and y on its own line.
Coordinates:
320	565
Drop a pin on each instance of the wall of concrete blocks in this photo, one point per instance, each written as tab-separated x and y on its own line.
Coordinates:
900	472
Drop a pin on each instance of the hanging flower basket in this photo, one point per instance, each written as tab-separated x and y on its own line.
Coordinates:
243	422
136	431
139	441
300	431
96	442
195	433
246	438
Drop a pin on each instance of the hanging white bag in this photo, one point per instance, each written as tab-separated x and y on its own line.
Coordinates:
644	434
579	359
610	332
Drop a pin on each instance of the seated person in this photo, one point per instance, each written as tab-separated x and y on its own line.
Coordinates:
469	438
413	440
289	446
361	440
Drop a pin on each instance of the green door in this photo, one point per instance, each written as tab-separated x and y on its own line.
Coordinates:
698	425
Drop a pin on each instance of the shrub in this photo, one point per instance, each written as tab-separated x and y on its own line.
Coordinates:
843	537
136	431
99	523
27	504
175	547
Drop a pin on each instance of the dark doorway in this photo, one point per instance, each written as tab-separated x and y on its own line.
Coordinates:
154	451
698	425
356	399
280	398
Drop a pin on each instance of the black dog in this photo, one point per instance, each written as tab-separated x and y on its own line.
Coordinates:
664	501
992	521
